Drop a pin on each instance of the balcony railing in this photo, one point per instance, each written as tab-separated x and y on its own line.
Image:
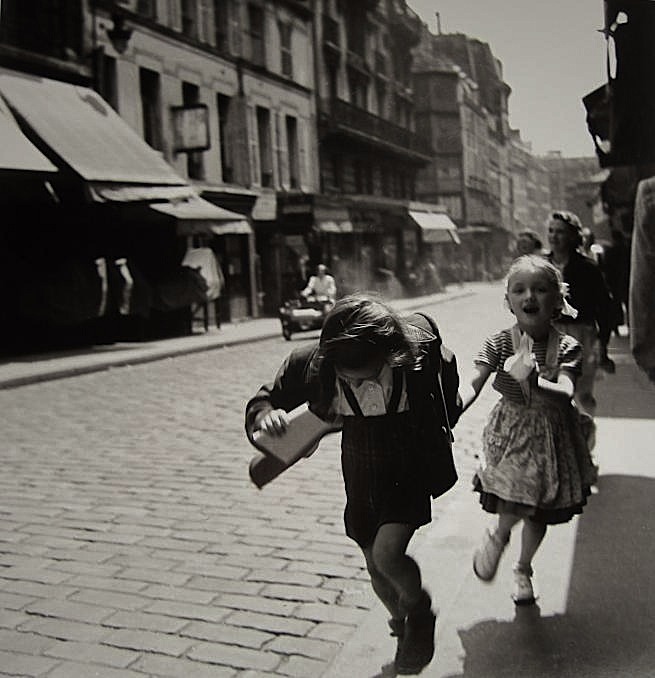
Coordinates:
338	113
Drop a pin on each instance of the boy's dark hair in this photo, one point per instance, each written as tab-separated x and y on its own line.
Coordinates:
359	329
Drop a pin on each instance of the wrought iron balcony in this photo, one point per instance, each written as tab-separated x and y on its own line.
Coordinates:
341	117
405	23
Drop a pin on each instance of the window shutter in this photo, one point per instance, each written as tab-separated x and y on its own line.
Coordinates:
174	14
303	169
282	152
253	144
206	31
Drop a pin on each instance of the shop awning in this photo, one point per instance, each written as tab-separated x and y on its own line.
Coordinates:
200	216
16	151
332	219
437	227
331	226
84	131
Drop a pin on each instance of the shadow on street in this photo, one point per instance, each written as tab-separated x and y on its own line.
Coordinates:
616	393
609	626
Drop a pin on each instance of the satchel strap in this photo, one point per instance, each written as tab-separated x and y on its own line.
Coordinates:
394	400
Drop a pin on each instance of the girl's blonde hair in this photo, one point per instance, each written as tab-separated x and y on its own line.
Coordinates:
535	263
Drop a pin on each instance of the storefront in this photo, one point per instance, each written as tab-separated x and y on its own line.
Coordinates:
120	218
440	246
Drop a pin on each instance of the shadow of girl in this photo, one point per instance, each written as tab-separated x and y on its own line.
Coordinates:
609	626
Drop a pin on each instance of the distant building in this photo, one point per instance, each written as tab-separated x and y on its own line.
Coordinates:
462	105
369	151
575	184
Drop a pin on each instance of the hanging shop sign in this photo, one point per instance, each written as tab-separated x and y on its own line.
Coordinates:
191	128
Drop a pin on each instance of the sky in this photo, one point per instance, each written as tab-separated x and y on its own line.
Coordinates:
552	55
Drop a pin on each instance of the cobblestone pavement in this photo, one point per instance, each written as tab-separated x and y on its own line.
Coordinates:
132	543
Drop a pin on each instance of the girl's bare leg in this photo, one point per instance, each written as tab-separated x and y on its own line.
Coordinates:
398	569
383	588
531	537
506	522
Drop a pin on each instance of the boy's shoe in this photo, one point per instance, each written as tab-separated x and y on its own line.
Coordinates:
417	647
487	557
523	593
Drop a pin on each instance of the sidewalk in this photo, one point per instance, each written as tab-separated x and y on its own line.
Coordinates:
594	574
31	369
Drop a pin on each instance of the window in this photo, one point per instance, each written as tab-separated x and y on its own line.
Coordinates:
150	90
256	32
292	151
194	159
190	18
384	180
147	8
337	171
358	172
285	49
221	25
223	106
265	149
107	81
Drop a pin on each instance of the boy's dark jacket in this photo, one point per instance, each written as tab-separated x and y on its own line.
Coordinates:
298	381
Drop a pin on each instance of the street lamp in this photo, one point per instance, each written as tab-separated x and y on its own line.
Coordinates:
119	35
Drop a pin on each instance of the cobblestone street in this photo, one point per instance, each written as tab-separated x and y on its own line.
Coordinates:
132	542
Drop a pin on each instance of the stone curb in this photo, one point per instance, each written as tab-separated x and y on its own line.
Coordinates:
181	346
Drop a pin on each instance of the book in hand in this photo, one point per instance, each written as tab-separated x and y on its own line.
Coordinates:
300	439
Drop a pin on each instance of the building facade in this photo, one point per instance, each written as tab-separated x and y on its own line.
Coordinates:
369	151
247	67
462	105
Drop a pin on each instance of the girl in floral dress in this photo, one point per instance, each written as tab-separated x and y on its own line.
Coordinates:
537	464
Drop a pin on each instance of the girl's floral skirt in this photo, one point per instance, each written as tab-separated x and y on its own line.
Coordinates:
536	461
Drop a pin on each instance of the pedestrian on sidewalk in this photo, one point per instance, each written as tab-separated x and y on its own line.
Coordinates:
589	294
537	464
376	372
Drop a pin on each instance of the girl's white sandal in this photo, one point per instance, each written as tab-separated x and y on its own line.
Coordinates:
523	593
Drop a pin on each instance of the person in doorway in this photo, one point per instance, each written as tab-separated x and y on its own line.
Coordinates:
321	286
589	295
376	373
615	265
537	464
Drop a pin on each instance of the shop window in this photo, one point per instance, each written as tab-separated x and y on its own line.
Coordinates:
292	151
150	90
265	148
285	49
256	33
195	160
224	140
